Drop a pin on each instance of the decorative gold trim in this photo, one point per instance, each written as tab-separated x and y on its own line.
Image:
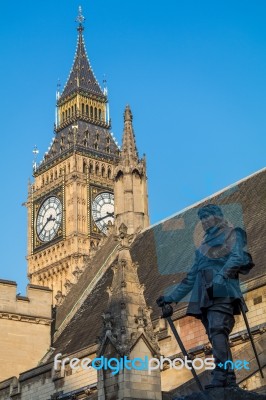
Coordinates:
32	223
88	202
95	190
37	244
64	208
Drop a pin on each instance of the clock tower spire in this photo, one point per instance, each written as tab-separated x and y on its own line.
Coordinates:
71	201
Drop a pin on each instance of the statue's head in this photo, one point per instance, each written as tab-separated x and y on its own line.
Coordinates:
210	215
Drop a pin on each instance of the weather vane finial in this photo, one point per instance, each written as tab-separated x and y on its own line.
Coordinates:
80	19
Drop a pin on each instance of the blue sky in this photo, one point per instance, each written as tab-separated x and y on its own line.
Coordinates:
194	73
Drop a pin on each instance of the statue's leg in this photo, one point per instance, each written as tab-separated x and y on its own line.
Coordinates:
220	324
231	376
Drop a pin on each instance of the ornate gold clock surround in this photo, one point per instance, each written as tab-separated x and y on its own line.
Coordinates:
37	204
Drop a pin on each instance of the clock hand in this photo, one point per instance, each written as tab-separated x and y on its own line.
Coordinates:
101	218
107	215
48	220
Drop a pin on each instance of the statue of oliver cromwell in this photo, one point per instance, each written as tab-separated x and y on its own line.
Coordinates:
214	285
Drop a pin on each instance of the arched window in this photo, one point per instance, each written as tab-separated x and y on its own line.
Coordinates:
55	174
97	169
103	171
72	110
95	113
63	116
87	109
109	173
91	168
100	114
82	108
91	111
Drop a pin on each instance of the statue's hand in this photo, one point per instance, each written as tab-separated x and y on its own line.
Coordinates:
219	279
162	300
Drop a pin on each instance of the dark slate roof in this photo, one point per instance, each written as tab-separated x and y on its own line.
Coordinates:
88	275
88	135
165	252
85	326
81	75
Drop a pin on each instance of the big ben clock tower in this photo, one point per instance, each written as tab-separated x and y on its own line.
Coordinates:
71	202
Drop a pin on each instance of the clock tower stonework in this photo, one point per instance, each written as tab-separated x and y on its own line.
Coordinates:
71	202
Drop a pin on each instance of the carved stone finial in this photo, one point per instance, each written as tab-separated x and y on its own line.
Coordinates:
59	297
77	272
122	230
123	237
108	322
140	320
128	114
68	285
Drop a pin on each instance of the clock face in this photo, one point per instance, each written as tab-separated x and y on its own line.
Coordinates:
103	210
49	219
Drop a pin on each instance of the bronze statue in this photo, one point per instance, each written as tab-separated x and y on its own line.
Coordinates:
215	291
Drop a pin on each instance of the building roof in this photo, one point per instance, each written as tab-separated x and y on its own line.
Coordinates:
88	139
165	253
81	76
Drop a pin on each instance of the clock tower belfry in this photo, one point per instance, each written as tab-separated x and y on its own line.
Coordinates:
71	202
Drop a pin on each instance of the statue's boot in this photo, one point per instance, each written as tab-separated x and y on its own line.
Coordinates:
231	376
219	378
222	378
218	326
222	353
231	379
